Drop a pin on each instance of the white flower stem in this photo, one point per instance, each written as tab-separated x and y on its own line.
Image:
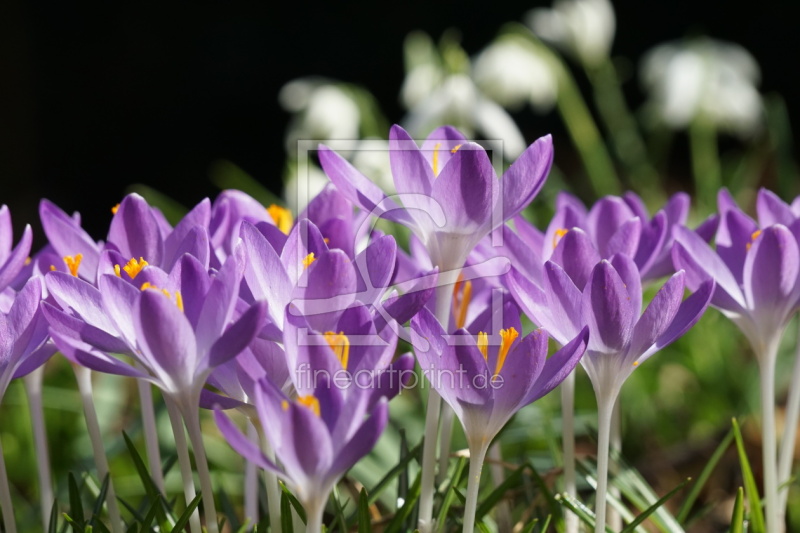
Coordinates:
5	498
251	480
191	417
568	444
84	378
314	511
150	432
33	388
425	522
445	441
770	468
615	441
477	455
273	489
786	457
605	408
497	471
182	449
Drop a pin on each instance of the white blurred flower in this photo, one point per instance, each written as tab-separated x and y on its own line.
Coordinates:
322	111
704	78
583	28
512	72
302	184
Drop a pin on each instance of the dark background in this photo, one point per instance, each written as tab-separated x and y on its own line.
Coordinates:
96	97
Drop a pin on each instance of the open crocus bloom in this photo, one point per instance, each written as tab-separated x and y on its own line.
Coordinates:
487	378
12	260
621	336
451	197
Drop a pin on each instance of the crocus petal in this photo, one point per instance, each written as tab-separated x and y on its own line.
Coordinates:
725	201
531	299
304	239
361	442
165	337
604	219
220	301
34	360
79	296
440	146
466	190
558	367
265	273
67	238
771	277
119	297
16	259
526	176
69	326
636	205
772	210
629	273
135	232
607	310
734	239
565	303
576	254
191	276
237	336
244	446
195	243
651	255
522	367
657	317
330	288
412	173
357	188
83	354
687	316
625	240
375	266
700	262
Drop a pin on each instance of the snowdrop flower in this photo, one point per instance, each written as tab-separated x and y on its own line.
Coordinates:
512	72
704	78
582	28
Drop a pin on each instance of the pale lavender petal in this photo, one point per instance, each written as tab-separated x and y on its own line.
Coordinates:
412	173
629	274
771	276
772	210
362	441
734	239
238	336
304	239
265	273
607	310
15	260
244	446
605	218
564	304
119	298
657	317
67	238
559	366
220	301
652	255
65	325
81	297
135	232
467	189
526	176
444	141
576	254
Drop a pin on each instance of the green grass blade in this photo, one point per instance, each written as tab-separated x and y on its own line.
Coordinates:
393	473
75	505
737	520
398	521
97	508
499	492
364	518
53	525
694	492
449	494
653	508
301	512
584	513
756	514
149	485
184	518
286	513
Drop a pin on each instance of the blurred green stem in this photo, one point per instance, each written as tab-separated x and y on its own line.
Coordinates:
786	458
5	498
477	455
84	378
271	483
445	441
586	137
33	388
568	444
705	161
251	480
182	449
622	128
497	471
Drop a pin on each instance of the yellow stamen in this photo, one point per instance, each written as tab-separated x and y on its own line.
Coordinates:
455	149
636	363
117	271
52	268
435	162
115	209
179	300
483	344
282	217
27	261
132	267
753	238
284	405
326	240
340	345
308	260
311	402
508	337
73	263
462	294
560	232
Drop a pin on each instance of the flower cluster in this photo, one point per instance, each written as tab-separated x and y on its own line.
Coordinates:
296	323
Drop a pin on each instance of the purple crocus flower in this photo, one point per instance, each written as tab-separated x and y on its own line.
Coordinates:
621	336
342	419
487	381
756	270
450	194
